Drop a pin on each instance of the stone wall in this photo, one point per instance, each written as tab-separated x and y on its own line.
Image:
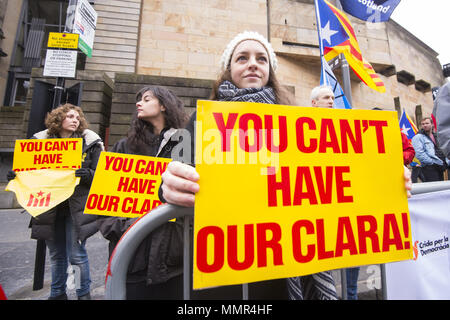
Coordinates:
128	84
9	21
185	38
95	102
11	122
181	38
407	66
116	36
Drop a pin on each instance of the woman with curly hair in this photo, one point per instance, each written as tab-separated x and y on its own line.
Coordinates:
61	119
65	227
156	269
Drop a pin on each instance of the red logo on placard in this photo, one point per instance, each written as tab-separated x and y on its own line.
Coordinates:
39	200
415	251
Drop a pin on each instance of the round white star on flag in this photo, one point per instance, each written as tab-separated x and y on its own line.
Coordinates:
326	33
405	130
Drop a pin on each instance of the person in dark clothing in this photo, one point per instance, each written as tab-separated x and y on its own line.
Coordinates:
247	74
432	159
65	227
155	272
248	68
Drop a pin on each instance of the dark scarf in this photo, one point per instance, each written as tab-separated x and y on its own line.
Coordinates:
229	92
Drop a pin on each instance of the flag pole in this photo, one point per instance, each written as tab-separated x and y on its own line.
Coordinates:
326	71
348	94
322	60
316	7
345	69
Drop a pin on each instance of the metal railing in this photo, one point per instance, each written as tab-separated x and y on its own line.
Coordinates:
124	251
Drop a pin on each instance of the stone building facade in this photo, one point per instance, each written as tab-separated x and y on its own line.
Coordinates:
182	38
182	41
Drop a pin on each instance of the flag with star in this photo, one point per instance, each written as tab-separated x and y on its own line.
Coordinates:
339	37
38	191
328	78
407	126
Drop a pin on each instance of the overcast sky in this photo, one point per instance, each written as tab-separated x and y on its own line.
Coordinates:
429	21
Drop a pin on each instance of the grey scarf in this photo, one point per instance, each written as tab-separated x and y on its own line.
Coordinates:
229	92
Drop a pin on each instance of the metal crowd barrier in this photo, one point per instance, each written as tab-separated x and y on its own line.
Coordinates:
124	251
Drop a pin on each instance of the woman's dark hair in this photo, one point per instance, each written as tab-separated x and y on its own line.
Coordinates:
140	134
282	95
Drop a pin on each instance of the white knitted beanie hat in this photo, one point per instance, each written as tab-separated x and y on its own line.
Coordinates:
248	35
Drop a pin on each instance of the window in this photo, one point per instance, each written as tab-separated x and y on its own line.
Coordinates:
38	18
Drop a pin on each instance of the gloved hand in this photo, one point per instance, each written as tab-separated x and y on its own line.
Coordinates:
85	175
10	175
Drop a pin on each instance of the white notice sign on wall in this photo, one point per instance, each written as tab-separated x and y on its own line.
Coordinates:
60	63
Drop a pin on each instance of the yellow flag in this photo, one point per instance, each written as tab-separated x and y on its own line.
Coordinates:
40	190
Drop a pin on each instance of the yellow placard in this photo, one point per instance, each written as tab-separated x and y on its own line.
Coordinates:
63	40
36	154
125	185
40	190
288	191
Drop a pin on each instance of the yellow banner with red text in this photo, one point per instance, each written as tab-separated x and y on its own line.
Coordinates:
288	191
125	185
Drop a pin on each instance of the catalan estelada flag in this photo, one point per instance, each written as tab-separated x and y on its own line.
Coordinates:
338	37
328	78
407	126
37	191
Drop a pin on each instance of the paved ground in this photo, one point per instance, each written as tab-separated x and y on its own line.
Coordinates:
17	252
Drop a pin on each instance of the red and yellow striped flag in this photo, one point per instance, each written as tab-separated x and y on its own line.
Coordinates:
350	49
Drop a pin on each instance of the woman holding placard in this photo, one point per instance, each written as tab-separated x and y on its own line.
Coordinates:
156	269
248	67
65	227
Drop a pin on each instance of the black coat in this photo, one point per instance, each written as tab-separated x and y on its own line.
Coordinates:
160	255
263	290
43	226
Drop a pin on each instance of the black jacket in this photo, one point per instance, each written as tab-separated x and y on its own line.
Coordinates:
160	256
43	226
263	290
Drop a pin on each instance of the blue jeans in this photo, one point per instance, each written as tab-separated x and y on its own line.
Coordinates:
64	248
352	283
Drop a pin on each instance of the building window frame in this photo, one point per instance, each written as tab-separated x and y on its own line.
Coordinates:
17	70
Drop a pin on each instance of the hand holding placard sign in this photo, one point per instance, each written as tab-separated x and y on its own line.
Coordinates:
288	191
38	190
125	185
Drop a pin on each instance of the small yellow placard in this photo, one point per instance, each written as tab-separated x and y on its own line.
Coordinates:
125	185
63	40
37	154
40	190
